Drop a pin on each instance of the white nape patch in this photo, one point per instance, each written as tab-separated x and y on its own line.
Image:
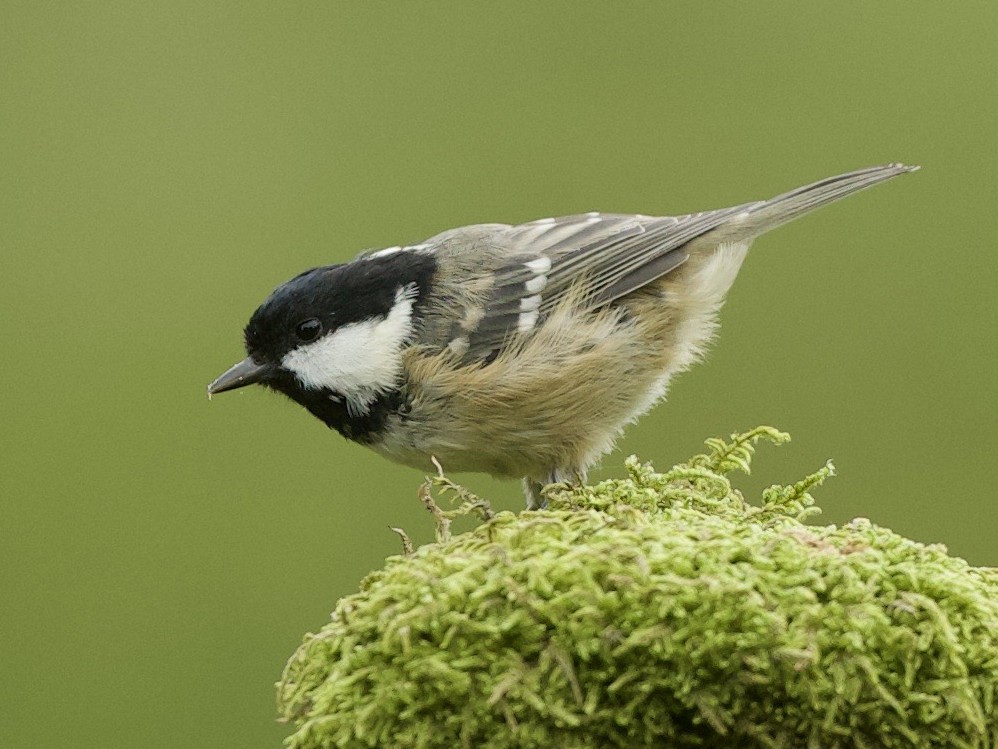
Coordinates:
530	303
385	252
526	321
540	265
424	248
593	214
360	360
543	221
536	284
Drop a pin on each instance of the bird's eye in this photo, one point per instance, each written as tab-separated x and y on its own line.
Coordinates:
308	330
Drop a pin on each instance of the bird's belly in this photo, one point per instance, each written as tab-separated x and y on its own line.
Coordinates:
516	437
500	461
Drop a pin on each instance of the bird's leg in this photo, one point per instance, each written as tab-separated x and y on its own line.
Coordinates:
533	489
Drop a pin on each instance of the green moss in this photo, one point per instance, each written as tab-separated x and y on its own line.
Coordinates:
660	610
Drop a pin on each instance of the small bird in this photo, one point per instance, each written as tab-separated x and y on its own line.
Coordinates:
521	351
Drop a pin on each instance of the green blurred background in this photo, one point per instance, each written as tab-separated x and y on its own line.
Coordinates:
164	166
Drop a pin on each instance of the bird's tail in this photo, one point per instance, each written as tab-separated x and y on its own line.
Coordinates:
758	218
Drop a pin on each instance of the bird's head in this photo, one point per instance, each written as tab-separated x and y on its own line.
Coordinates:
332	337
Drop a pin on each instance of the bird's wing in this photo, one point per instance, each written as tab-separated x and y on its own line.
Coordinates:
617	254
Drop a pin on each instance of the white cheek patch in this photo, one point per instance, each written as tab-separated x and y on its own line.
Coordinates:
359	361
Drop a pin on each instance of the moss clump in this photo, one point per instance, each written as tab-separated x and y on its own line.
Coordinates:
661	610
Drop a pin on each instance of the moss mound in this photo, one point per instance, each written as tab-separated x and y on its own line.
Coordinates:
657	611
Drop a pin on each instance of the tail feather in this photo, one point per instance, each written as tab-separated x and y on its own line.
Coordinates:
766	215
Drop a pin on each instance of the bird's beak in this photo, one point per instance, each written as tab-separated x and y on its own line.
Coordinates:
244	373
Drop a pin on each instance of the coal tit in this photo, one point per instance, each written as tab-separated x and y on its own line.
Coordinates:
520	351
